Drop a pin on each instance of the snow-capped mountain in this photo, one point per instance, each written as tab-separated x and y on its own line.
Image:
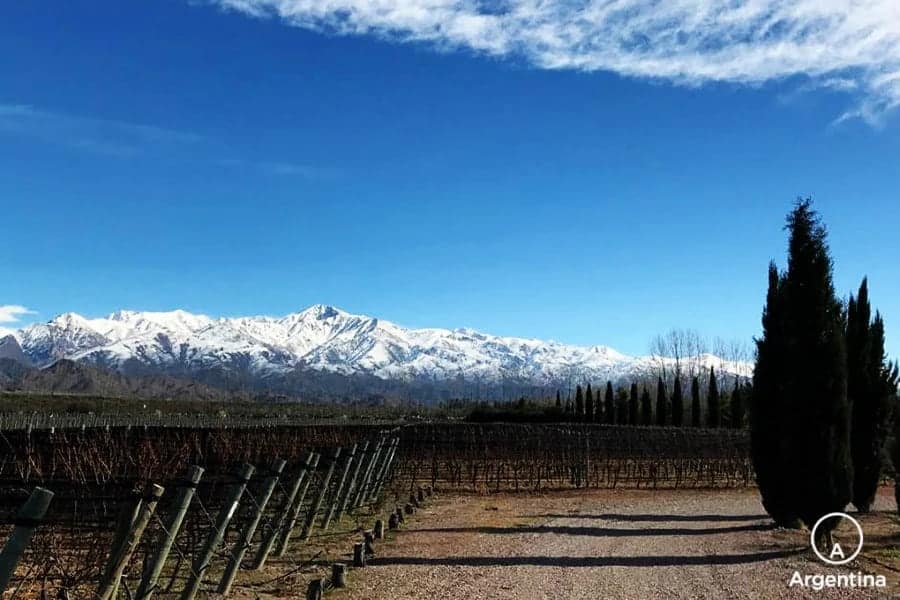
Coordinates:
324	339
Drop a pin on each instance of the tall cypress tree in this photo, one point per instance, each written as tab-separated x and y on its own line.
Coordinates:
621	406
769	423
609	407
558	400
633	404
579	403
695	402
677	403
736	413
646	407
599	412
589	404
713	402
662	403
808	396
858	336
871	384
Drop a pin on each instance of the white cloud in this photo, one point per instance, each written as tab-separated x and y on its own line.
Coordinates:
849	45
12	313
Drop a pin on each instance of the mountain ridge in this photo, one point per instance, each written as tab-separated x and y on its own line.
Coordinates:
323	340
71	378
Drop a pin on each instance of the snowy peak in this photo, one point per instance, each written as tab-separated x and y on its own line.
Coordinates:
320	312
176	321
65	336
322	338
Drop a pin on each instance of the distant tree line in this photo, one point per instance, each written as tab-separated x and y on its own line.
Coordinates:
637	404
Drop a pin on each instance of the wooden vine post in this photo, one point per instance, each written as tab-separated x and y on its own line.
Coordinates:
339	575
359	555
339	490
315	589
360	497
281	517
126	540
306	476
27	519
383	476
243	543
171	527
203	560
351	487
320	498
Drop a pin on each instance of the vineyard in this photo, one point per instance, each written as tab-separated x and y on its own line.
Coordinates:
180	512
503	457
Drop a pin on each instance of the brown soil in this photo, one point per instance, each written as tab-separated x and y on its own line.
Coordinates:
613	544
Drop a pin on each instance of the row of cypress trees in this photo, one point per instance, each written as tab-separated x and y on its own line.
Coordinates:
822	387
871	387
638	408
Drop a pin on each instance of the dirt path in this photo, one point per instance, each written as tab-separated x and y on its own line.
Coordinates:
631	544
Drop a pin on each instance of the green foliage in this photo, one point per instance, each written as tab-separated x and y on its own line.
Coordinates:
677	403
695	402
621	406
871	384
736	410
769	427
646	407
713	401
589	414
800	416
579	403
633	405
662	403
609	407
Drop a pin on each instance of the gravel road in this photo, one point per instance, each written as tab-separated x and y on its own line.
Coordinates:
601	544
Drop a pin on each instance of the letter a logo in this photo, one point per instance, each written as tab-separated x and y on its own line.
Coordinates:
836	551
838	557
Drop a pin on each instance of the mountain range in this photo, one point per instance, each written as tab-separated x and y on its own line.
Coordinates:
325	351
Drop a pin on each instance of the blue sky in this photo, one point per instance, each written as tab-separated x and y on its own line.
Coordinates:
441	164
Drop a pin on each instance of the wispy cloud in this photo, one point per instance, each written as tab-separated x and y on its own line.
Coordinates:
844	44
101	136
279	168
124	140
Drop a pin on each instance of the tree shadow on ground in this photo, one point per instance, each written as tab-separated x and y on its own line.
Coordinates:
651	518
597	531
588	561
